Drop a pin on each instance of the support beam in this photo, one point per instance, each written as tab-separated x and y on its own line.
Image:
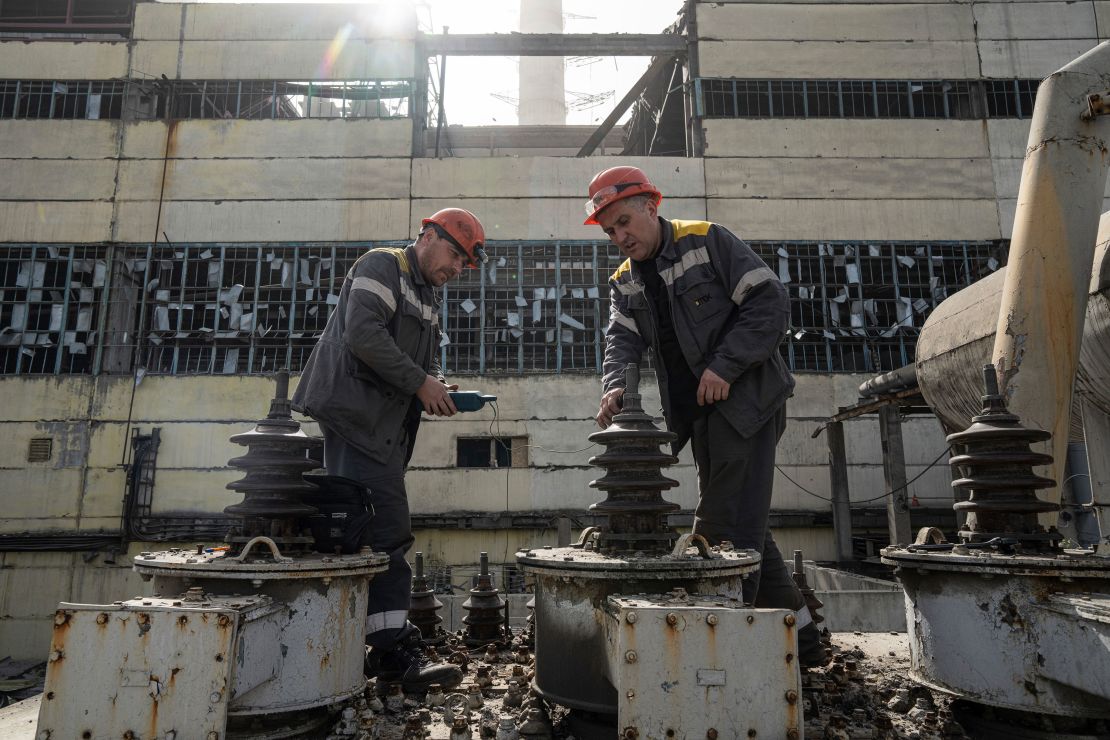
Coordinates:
629	98
838	483
553	44
894	471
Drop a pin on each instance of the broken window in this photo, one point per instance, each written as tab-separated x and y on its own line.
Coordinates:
269	99
858	306
50	303
491	452
957	99
535	307
1011	98
188	99
89	16
67	99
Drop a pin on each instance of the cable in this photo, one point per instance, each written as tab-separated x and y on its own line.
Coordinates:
496	419
804	489
929	467
496	422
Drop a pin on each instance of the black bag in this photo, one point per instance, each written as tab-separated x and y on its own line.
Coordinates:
343	517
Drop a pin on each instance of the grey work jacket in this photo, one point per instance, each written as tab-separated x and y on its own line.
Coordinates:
730	314
376	350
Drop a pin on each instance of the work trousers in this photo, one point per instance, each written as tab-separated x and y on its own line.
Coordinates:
735	478
390	531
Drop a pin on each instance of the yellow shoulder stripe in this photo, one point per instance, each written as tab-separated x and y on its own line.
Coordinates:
625	267
688	228
398	253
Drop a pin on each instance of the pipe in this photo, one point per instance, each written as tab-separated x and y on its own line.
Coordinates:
1044	298
892	382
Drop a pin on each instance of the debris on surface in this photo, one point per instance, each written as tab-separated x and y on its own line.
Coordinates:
864	693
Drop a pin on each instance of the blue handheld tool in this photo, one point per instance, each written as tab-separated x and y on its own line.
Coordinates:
470	400
466	400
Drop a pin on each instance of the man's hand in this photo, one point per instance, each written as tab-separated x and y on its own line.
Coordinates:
433	394
610	406
712	388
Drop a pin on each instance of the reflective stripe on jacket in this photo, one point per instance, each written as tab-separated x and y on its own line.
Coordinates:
730	314
376	350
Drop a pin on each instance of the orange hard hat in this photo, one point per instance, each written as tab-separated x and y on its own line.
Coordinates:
615	183
464	229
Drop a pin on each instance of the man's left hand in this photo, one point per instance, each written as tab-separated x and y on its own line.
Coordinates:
712	388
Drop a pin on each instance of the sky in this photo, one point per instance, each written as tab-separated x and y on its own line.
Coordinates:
471	81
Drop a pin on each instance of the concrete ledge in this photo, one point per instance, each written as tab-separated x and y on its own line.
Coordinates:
855	603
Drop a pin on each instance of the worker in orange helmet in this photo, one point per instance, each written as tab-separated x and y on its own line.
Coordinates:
713	315
373	370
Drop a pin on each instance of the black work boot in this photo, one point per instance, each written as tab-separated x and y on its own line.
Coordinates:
811	650
406	664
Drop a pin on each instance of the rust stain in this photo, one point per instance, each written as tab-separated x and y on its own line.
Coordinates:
61	623
171	149
153	727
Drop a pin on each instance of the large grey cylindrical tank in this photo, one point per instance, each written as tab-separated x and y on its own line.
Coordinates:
958	337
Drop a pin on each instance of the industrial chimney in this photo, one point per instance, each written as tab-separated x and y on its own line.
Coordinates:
542	92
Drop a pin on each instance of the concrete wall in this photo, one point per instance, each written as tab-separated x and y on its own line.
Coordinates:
296	42
900	39
878	179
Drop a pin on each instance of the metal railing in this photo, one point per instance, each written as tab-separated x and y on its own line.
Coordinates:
536	307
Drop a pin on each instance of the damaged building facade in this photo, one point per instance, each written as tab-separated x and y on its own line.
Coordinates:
185	185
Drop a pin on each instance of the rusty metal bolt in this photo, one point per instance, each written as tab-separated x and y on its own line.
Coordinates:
182	620
752	732
711	620
751	619
631	694
789	620
224	620
711	734
215	697
672	619
630	656
631	617
630	733
792	734
56	655
102	618
60	618
791	697
790	657
213	735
